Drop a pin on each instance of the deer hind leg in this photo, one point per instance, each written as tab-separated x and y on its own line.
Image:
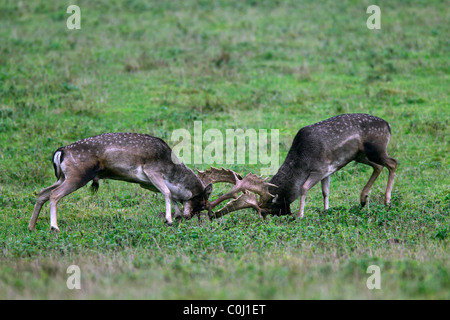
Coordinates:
69	185
376	172
43	197
313	178
391	164
325	192
378	155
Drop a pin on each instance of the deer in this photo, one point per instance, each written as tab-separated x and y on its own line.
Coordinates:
130	157
318	151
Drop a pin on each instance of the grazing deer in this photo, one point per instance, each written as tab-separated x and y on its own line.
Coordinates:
317	151
130	157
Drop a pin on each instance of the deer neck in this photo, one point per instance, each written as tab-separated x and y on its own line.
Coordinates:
184	178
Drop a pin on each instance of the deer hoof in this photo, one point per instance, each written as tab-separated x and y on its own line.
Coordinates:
54	229
187	216
364	200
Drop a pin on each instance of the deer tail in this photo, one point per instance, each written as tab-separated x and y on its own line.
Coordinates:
57	159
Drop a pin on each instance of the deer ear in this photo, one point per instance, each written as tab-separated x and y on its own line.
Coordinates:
208	190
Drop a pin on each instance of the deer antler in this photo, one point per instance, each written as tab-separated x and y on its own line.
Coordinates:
214	175
245	200
251	185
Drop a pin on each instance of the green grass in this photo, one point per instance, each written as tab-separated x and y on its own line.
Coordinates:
154	67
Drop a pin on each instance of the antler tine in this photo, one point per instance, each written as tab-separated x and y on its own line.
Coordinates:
251	186
257	184
245	200
215	175
252	183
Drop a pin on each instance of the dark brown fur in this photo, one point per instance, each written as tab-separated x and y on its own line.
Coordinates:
323	148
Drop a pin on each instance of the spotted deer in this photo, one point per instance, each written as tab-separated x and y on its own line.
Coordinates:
131	157
318	150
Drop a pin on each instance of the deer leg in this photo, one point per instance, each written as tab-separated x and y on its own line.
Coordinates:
379	156
376	172
325	191
382	160
67	187
178	212
391	164
43	197
157	180
309	183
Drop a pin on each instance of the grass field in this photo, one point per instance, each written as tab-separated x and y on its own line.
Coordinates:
156	66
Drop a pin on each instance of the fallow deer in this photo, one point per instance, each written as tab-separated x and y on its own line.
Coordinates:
318	150
131	157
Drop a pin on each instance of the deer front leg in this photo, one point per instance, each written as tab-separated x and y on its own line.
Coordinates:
168	209
157	180
313	178
178	212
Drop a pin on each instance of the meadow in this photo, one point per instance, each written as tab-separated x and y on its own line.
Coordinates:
154	67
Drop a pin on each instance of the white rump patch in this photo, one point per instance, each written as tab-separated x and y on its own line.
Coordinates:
57	158
57	162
